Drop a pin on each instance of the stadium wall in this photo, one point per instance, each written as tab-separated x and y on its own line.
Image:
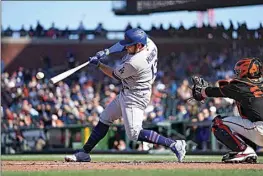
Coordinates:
27	53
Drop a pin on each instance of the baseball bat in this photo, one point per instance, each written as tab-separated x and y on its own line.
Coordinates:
67	73
117	47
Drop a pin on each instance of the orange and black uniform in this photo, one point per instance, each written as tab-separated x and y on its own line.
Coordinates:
248	95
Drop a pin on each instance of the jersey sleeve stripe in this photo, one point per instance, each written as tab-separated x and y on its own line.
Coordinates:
115	76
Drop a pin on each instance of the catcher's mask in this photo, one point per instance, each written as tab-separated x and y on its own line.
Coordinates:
249	67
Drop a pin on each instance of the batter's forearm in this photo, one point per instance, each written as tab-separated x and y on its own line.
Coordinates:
106	69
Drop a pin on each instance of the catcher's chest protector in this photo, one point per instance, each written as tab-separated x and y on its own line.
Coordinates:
250	96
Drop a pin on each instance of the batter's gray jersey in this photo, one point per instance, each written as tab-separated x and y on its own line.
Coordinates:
138	71
137	74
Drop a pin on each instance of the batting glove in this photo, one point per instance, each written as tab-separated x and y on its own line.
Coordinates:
94	60
102	54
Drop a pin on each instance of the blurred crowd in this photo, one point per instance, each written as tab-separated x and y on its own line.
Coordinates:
28	102
205	31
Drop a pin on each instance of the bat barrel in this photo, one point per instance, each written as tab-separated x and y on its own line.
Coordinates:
65	74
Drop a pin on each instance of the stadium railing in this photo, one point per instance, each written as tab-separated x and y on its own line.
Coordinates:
72	137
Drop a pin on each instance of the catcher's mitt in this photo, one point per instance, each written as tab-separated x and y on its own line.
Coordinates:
198	84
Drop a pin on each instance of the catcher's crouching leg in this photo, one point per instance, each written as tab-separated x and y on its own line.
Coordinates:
224	134
241	151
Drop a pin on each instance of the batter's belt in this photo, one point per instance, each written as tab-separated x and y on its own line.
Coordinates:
143	89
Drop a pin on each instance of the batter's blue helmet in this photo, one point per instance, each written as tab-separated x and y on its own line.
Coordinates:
134	36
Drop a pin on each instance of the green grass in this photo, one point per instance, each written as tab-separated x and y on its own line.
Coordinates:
116	158
177	172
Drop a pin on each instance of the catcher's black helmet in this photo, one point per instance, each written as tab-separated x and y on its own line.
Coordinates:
249	67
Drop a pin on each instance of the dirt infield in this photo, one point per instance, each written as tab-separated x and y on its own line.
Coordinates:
59	165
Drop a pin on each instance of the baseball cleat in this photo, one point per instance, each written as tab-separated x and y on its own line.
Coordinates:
70	158
247	156
78	157
178	147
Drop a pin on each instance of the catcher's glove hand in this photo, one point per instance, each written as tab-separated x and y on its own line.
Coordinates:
198	84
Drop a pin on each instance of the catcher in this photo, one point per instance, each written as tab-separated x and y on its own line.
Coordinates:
240	134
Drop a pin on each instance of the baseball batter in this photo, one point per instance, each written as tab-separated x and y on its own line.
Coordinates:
137	74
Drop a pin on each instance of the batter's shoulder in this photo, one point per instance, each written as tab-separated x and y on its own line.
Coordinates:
139	60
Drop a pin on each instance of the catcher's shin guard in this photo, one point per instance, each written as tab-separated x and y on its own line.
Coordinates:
249	142
224	134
